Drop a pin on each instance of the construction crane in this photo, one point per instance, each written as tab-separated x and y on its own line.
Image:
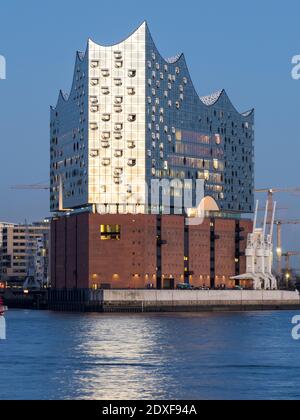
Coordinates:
271	191
279	224
30	187
44	188
288	256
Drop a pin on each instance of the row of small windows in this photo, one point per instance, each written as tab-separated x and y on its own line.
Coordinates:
106	73
107	117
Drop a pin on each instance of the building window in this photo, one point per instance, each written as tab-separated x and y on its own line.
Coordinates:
105	144
132	117
94	108
118	109
110	232
94	64
118	153
94	82
106	162
131	91
131	162
118	55
131	73
106	135
131	144
118	64
105	72
106	117
118	82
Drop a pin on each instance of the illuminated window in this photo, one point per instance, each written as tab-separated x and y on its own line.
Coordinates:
110	232
216	164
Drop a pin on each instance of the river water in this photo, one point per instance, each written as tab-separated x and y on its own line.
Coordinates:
171	356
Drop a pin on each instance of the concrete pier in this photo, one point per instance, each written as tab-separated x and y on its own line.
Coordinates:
186	301
171	300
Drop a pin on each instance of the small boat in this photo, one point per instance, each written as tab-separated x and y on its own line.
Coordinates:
3	308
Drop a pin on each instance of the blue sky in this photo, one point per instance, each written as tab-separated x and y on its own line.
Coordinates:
244	47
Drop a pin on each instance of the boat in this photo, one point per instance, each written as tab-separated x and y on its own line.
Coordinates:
3	308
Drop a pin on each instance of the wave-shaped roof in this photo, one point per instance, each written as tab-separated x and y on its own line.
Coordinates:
211	99
208	100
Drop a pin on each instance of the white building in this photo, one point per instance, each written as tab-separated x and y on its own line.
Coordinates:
133	116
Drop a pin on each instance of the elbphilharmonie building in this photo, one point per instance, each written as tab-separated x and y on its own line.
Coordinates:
132	117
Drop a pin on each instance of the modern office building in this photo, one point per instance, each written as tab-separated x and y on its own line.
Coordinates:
133	119
2	226
19	251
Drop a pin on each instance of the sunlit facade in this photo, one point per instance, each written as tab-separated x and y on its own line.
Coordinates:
132	117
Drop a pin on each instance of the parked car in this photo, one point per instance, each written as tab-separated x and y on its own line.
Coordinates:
184	286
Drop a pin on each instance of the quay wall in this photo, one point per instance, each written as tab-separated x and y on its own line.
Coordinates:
179	300
171	301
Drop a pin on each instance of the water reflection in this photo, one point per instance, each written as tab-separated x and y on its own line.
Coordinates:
193	356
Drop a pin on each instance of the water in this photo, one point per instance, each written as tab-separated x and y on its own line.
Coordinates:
193	356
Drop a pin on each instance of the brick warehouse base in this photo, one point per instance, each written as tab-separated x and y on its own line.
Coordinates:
91	251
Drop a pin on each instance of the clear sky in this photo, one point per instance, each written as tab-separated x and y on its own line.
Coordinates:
244	47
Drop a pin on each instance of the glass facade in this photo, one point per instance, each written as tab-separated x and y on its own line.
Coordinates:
132	117
189	137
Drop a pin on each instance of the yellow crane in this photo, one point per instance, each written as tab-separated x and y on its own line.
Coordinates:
288	255
279	250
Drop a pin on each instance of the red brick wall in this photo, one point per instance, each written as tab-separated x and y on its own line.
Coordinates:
225	249
173	252
80	259
69	264
128	263
199	259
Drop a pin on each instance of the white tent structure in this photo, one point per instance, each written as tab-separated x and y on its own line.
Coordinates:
259	255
